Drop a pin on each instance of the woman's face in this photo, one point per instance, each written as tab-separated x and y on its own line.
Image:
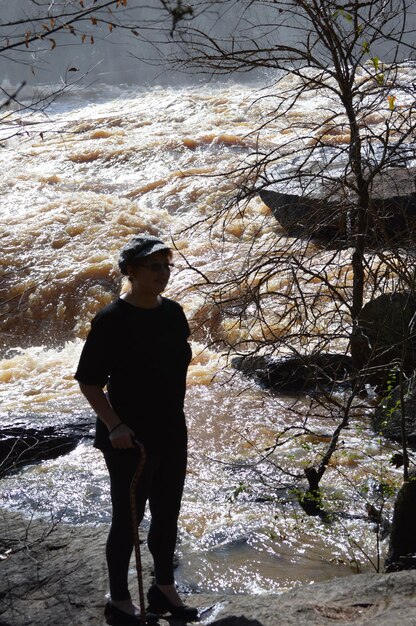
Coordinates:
151	274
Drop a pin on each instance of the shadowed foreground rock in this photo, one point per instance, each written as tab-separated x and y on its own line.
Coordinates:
57	576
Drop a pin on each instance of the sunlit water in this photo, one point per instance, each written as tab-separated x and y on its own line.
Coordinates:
76	184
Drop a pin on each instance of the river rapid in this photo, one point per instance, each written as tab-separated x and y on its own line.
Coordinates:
77	182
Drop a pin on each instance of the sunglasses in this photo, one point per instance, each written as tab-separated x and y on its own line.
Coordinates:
157	267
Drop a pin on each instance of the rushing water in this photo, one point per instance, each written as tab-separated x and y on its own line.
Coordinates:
76	184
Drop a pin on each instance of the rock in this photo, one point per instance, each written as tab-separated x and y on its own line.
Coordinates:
325	214
387	416
236	621
306	217
402	546
21	445
298	374
362	600
56	574
387	338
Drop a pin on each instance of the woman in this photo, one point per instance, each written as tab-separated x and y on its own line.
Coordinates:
138	348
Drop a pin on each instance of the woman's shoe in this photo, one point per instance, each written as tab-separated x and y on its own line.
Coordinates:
159	603
115	616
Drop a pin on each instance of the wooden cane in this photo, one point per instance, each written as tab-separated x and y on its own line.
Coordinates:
135	527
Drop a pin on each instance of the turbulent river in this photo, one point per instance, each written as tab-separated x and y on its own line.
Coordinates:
77	182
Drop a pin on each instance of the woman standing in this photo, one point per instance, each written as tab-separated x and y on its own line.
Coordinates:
138	348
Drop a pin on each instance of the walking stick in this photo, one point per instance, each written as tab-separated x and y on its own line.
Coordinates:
135	527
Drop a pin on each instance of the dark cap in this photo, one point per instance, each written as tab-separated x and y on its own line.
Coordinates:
139	247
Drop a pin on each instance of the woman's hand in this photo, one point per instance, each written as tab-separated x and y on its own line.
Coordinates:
121	437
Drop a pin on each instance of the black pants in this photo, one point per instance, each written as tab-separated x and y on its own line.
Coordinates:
161	483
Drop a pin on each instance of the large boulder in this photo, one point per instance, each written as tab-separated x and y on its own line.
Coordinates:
327	213
307	217
387	418
297	374
402	547
387	340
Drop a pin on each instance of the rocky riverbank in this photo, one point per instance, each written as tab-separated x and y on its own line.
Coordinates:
55	574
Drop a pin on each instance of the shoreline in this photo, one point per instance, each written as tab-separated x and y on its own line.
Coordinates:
52	573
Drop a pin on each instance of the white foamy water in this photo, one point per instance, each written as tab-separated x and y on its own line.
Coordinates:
76	184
